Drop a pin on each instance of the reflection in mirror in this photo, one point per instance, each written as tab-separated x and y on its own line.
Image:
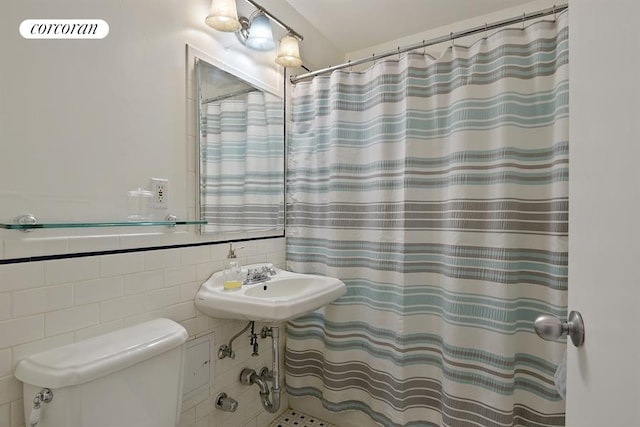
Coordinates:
241	149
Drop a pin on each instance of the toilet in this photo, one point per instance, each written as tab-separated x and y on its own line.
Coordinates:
126	378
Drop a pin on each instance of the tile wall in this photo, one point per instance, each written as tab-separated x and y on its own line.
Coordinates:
50	303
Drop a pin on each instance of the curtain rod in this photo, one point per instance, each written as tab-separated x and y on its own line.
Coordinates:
450	37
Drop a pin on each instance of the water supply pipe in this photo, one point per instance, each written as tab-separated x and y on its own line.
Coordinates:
270	398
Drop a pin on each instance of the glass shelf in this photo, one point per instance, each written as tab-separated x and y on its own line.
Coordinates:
28	227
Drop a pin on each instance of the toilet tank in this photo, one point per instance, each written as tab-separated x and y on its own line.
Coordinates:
129	377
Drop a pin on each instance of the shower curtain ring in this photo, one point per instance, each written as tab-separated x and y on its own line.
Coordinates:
485	31
398	53
523	16
424	47
452	40
554	13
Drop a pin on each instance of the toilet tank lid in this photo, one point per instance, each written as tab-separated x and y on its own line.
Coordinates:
95	357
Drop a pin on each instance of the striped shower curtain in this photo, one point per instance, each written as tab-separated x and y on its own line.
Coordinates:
437	190
243	163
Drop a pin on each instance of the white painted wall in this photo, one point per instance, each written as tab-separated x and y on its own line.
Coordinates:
81	123
84	121
603	376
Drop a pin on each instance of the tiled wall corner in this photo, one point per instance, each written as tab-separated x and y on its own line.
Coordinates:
46	304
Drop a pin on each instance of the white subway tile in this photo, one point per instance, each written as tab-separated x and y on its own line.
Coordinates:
98	290
219	252
121	307
203	409
162	298
196	326
5	363
181	312
180	275
25	350
144	317
20	331
35	247
42	300
195	255
270	245
191	403
21	276
187	418
204	271
228	419
70	270
10	389
222	379
5	415
5	306
154	284
17	413
140	240
142	282
256	259
178	236
79	244
245	249
72	319
188	291
160	259
119	264
99	329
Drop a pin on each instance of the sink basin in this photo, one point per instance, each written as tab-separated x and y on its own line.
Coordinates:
285	296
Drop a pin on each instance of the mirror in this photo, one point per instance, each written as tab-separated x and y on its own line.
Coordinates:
241	156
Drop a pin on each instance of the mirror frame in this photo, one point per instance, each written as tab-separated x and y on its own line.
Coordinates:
240	234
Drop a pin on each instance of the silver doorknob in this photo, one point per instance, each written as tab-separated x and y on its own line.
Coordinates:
551	328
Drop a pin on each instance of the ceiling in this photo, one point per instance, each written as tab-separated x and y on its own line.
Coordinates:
353	25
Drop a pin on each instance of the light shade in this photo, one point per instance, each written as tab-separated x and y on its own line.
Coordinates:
223	16
289	52
260	34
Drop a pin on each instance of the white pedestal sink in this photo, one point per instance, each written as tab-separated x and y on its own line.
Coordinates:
284	296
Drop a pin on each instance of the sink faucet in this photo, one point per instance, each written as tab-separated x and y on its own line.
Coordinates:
259	275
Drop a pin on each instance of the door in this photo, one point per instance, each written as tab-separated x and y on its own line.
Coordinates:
603	384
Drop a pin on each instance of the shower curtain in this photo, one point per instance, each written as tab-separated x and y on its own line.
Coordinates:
242	163
437	190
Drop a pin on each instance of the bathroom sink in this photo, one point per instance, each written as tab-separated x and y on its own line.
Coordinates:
286	295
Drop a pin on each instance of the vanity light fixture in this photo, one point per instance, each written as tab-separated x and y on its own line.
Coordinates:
260	34
223	16
289	52
255	32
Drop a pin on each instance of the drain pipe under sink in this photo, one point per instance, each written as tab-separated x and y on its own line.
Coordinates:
250	376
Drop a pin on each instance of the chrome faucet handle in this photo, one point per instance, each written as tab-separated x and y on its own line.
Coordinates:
269	269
